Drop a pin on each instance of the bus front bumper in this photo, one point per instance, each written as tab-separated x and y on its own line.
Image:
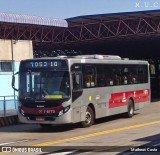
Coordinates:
63	119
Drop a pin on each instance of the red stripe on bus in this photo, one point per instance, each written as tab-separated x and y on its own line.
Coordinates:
41	111
121	99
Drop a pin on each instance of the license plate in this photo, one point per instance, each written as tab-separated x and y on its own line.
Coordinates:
40	119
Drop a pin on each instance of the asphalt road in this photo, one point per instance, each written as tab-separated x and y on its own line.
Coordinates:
112	135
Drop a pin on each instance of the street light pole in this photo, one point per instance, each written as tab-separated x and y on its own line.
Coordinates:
13	66
12	56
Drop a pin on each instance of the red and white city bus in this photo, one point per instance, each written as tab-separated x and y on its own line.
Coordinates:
63	89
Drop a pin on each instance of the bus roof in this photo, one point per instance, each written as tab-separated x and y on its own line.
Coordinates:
92	59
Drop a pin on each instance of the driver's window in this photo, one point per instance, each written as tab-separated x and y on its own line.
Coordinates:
77	81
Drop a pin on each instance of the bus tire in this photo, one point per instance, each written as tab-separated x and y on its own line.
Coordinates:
45	126
130	111
89	118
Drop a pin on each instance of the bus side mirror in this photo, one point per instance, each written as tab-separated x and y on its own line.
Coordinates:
13	82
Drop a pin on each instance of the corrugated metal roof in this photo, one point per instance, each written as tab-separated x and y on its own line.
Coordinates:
28	19
100	17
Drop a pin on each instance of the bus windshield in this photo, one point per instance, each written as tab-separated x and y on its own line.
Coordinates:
44	85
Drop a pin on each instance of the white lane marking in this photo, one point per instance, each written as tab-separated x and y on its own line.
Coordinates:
128	153
157	144
19	141
63	153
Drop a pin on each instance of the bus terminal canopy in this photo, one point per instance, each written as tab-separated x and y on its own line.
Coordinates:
119	26
90	19
82	29
26	27
28	19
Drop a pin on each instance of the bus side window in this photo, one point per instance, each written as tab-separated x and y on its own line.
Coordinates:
89	76
89	81
125	78
77	81
116	75
108	75
116	80
100	75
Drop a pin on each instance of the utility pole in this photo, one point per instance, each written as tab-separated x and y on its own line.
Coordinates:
13	66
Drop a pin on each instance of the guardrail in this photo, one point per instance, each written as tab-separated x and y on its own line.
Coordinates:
8	105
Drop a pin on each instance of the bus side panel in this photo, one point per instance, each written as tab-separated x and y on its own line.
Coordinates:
118	103
110	101
94	96
119	99
102	104
77	102
90	97
144	97
76	114
80	104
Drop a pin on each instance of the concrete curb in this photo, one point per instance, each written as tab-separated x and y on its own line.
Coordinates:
8	120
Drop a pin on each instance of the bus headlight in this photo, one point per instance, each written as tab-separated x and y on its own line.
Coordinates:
60	113
64	110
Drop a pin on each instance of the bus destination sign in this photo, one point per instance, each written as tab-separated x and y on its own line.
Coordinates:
43	64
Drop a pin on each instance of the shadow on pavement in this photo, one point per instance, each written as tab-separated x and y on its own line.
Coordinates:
151	146
36	128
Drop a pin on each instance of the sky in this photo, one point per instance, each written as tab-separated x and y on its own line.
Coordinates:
71	8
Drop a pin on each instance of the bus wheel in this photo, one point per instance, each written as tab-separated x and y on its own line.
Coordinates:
130	112
45	126
89	120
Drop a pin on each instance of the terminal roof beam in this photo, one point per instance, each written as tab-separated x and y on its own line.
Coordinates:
81	29
95	28
125	26
27	27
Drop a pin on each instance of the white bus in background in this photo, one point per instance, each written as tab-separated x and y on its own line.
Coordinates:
11	52
82	88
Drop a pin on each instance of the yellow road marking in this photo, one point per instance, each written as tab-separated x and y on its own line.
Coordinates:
96	134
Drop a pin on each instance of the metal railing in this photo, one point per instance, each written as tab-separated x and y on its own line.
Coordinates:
8	105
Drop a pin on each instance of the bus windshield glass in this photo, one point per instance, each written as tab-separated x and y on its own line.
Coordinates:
44	85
